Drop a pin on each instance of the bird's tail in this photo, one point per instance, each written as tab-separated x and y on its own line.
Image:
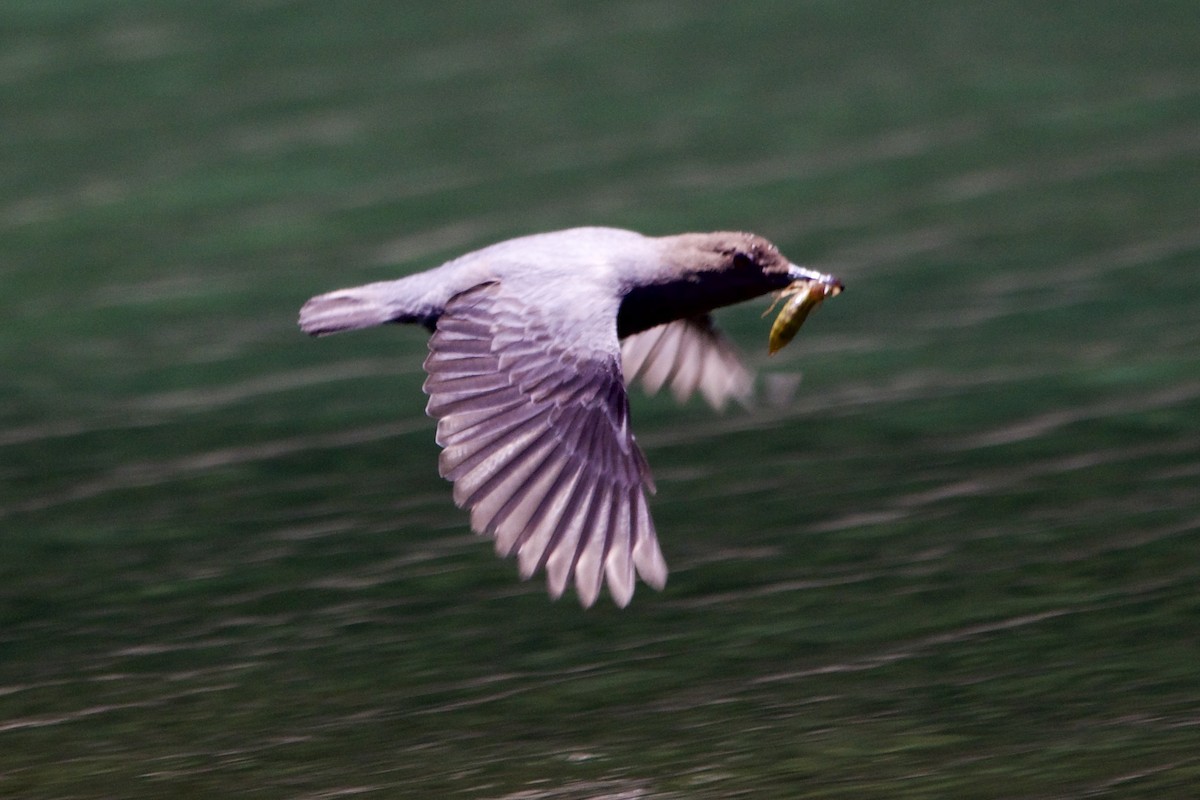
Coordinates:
346	310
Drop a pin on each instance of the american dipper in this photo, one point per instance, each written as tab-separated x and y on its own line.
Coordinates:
534	340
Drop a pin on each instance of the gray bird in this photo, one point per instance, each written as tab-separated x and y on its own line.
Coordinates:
534	340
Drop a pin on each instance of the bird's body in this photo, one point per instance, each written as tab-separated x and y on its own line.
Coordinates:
534	340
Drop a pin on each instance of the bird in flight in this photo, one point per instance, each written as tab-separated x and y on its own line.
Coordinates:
534	341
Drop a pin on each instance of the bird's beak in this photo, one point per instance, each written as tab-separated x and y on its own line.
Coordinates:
797	273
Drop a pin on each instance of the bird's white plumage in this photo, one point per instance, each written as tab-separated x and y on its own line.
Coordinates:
537	442
527	380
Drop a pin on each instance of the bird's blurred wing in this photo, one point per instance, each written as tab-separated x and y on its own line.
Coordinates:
690	354
535	434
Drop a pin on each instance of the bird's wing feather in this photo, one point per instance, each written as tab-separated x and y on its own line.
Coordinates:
535	436
690	354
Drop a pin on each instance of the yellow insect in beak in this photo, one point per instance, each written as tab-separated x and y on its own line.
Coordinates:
803	296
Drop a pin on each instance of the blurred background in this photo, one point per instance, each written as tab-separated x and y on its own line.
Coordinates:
961	561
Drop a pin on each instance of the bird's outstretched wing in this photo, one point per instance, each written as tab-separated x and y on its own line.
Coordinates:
536	438
690	354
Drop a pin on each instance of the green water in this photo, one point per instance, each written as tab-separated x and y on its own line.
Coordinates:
961	562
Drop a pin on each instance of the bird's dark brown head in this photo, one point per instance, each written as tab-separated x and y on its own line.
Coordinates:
734	253
698	272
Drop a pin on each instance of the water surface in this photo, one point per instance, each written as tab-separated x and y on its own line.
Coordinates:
961	561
